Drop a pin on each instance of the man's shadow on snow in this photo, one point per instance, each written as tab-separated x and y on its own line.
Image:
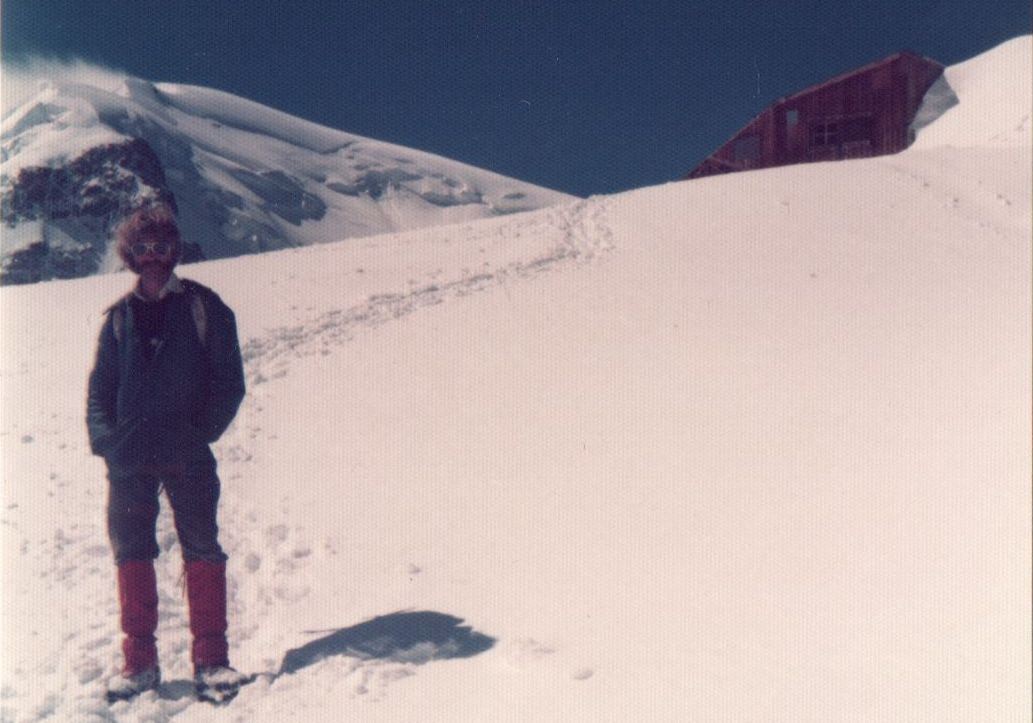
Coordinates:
402	637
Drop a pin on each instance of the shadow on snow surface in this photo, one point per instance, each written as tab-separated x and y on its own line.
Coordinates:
403	637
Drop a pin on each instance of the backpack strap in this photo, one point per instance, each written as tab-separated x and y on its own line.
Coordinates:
118	318
198	309
200	314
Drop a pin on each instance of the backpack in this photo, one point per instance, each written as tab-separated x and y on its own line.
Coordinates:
197	310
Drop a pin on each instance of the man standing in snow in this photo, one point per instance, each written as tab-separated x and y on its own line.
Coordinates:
166	383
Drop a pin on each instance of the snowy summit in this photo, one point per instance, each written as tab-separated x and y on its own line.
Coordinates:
754	447
245	178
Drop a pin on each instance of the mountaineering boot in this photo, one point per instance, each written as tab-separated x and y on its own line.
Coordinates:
138	604
218	683
127	687
206	599
138	601
214	679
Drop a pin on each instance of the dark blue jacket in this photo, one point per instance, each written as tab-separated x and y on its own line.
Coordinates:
168	408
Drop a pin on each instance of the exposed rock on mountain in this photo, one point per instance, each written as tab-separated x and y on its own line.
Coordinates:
63	217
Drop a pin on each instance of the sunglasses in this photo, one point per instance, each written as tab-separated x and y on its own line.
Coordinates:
155	248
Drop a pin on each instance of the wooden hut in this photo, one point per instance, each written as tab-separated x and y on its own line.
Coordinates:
865	112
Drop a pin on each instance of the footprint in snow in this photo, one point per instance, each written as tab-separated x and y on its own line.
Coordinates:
523	652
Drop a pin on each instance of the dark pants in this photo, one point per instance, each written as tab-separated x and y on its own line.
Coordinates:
193	492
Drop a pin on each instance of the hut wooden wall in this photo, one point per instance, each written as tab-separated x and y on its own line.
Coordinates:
866	112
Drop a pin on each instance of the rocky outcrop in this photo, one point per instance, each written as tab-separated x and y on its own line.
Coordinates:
65	215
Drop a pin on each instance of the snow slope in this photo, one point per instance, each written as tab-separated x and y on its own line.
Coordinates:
754	447
998	88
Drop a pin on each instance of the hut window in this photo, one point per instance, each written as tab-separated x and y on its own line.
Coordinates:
857	129
825	134
747	148
792	117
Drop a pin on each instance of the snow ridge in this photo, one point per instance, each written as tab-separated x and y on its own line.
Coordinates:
246	178
996	101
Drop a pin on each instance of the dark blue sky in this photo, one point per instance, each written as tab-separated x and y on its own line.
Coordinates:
577	95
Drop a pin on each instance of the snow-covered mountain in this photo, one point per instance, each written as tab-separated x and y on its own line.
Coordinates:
754	447
245	178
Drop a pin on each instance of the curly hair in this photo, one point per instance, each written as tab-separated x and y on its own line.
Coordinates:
150	223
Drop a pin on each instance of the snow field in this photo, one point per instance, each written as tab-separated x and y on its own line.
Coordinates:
754	447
